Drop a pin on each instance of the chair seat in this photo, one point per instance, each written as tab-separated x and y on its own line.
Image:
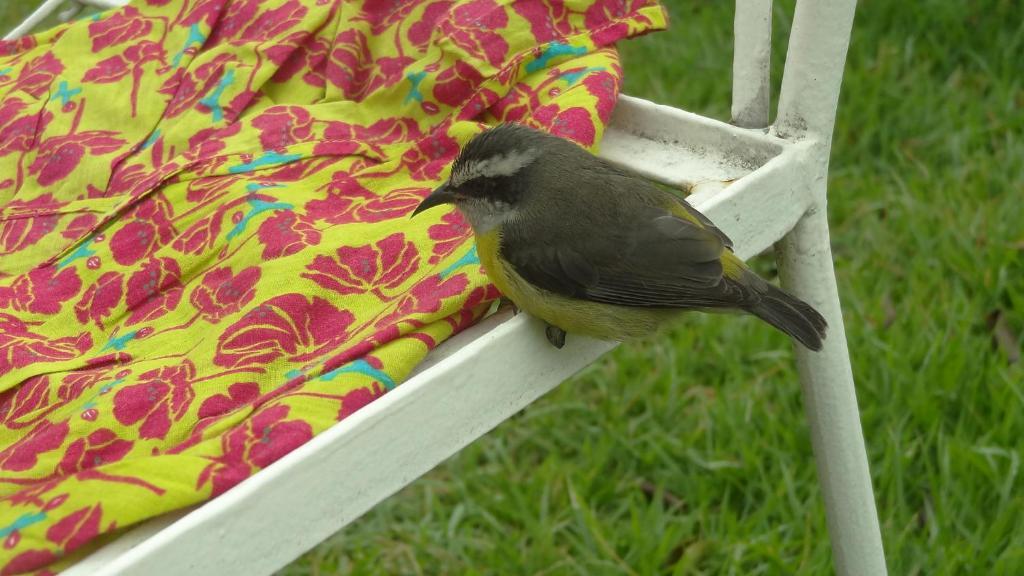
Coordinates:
468	385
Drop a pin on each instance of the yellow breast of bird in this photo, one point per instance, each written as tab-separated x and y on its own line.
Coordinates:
575	316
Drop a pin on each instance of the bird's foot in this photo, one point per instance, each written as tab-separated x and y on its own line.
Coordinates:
515	309
555	335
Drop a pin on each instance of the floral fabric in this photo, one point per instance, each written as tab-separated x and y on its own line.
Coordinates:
205	250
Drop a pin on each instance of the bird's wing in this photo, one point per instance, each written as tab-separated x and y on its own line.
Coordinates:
654	259
683	208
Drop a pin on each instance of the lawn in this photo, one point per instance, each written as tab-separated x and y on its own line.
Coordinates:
690	453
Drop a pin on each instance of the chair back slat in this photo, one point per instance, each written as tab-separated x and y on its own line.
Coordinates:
813	74
751	63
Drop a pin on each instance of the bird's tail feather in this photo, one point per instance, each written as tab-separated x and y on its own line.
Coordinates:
788	313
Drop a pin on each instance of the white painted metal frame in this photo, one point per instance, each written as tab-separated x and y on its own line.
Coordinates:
481	377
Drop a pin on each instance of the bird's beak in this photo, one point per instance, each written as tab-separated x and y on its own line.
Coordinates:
443	195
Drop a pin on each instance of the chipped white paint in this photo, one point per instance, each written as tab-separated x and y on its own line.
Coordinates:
479	378
751	63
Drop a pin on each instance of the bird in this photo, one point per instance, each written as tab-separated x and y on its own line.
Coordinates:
594	249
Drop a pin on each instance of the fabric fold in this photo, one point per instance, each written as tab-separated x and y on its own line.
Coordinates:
205	250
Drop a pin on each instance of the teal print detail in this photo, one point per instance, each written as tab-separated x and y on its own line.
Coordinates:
554	50
83	251
194	37
91	403
65	93
268	159
253	187
574	77
470	257
151	140
361	367
414	78
258	206
5	71
212	101
293	374
119	342
23	521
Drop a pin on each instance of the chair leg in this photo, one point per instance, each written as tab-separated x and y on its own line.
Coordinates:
805	267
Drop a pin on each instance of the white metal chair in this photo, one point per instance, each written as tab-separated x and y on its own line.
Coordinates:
488	373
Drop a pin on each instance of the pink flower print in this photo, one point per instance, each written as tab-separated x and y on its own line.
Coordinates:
344	196
207	143
100	299
448	235
386	131
358	398
473	308
284	234
289	325
59	156
420	31
259	441
283	125
239	394
119	27
475	27
234	17
571	123
380	14
19	233
42	290
24	453
428	294
430	155
395	204
26	404
18	132
549	20
602	12
604	86
102	446
37	76
200	236
76	528
383	266
274	22
29	560
457	83
205	11
425	298
351	66
134	241
20	347
127	178
348	201
154	290
221	293
160	397
310	59
147	227
79	226
187	87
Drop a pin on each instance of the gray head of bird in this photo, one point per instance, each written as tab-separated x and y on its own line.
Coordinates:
494	176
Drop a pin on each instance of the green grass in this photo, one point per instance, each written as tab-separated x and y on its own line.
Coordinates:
690	454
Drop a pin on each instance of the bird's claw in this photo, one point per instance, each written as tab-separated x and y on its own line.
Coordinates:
515	309
556	336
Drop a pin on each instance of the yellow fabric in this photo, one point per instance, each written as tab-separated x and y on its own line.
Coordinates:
205	250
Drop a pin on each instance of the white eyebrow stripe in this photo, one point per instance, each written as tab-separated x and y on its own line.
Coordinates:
499	165
506	164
